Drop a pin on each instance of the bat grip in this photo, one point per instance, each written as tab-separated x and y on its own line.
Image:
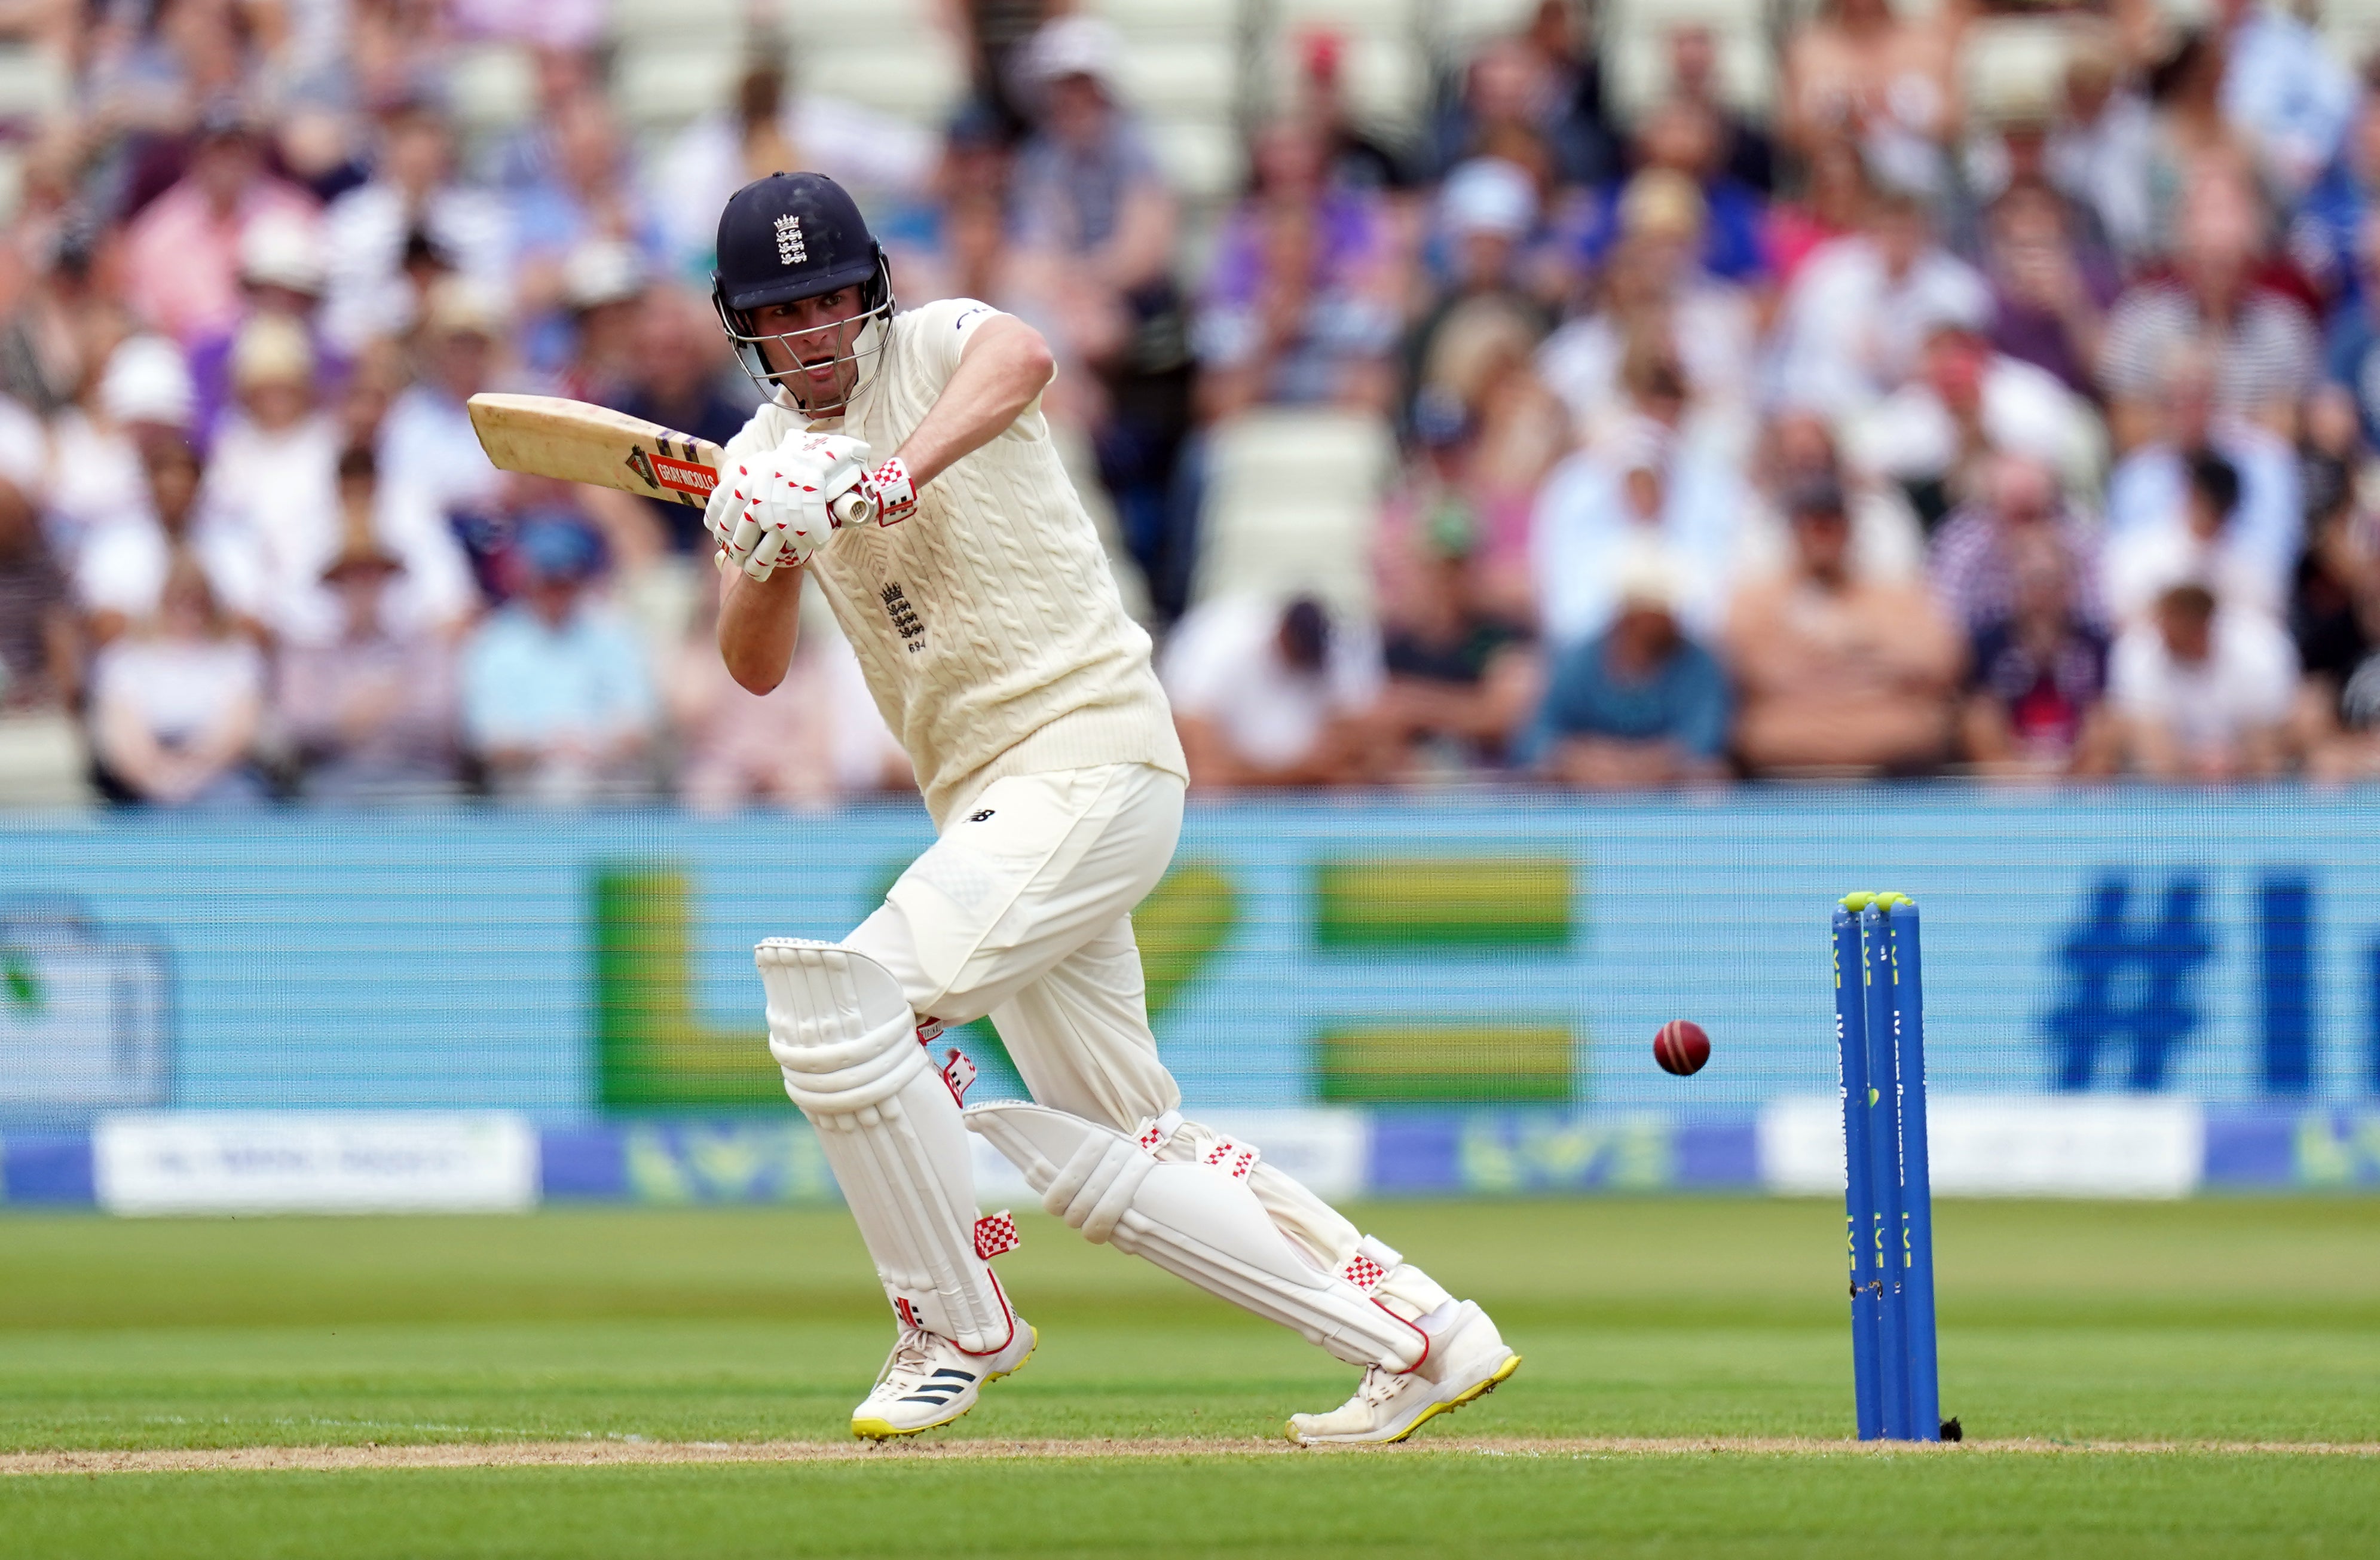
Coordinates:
852	509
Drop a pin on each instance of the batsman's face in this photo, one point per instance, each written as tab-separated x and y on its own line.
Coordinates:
809	342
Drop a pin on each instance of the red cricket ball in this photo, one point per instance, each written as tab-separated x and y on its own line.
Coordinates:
1681	1047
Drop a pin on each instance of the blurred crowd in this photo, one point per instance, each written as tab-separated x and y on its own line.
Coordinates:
1907	429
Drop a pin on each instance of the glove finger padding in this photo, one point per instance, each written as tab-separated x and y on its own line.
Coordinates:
725	505
763	562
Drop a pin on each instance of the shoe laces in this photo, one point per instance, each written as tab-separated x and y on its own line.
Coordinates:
1379	1384
913	1355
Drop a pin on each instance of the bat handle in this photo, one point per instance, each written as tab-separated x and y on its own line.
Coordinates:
852	509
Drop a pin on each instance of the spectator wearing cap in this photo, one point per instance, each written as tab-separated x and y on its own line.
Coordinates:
1093	224
2264	346
371	712
1301	301
1837	672
2038	677
427	441
1971	562
2202	694
2149	501
281	273
182	251
1798	451
1462	672
558	703
141	400
1274	695
412	205
1089	201
1486	213
1935	433
177	704
121	574
1640	706
1852	323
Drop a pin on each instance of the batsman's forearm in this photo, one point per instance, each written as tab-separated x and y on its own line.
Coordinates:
757	622
1005	364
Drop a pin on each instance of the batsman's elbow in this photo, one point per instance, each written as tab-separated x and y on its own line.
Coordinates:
759	681
1036	363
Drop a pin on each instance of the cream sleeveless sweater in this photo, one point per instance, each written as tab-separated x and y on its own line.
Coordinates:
987	624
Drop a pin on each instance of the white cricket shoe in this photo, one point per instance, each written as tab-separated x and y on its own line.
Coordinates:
1467	1359
928	1381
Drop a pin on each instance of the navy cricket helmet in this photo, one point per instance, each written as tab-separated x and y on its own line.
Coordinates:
790	237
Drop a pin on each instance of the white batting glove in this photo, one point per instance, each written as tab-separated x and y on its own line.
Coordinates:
779	509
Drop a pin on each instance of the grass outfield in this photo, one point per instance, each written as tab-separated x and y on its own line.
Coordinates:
2216	1321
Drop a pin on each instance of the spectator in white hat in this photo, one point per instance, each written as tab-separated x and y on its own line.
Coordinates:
1089	202
141	400
273	476
281	273
1487	211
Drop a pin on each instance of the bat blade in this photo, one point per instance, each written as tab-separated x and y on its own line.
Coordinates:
552	436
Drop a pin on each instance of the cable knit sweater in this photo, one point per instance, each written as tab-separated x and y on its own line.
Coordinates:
989	626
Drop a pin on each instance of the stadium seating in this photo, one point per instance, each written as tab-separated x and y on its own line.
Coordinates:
1293	500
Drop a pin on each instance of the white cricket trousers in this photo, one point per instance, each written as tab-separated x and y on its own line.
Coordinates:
1022	910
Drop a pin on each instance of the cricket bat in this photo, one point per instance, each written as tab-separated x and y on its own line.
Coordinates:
577	442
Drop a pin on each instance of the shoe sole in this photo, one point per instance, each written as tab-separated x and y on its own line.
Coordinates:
885	1430
1503	1374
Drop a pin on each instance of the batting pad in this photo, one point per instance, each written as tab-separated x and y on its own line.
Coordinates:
1198	1221
890	1127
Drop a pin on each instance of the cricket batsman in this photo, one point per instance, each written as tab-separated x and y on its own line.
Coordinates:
980	601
